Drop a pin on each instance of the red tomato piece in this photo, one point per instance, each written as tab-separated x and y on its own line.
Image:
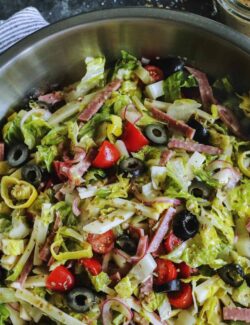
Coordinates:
92	265
133	138
165	270
185	271
60	279
103	243
181	299
171	242
107	155
155	73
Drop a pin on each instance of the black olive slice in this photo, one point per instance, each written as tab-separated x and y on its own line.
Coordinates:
80	299
132	166
17	155
174	285
156	133
232	274
185	225
32	174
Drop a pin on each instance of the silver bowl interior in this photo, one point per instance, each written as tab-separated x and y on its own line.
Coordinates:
55	54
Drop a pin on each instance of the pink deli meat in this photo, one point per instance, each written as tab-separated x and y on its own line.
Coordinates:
236	313
51	98
205	89
161	230
94	106
192	146
179	126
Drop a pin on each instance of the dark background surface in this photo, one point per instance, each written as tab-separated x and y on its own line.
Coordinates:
54	10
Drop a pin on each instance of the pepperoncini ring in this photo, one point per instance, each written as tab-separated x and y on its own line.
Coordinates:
85	252
13	188
241	163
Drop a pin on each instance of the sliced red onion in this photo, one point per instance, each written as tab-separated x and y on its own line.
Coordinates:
161	230
131	114
146	286
159	199
139	232
26	270
1	151
141	249
228	177
14	305
45	114
118	304
105	261
218	164
75	208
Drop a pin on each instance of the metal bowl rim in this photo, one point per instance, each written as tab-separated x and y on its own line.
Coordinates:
190	19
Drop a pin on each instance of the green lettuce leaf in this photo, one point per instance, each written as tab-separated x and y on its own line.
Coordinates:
239	199
224	90
55	136
206	177
152	301
242	295
126	287
175	82
34	130
100	281
211	311
204	248
125	66
11	131
5	223
118	189
4	314
93	78
45	155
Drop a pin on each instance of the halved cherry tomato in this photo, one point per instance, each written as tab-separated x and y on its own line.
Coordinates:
185	271
171	242
155	73
107	155
181	299
103	243
165	270
133	138
92	265
60	279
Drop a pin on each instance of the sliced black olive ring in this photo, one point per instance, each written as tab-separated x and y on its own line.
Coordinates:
132	166
17	155
156	133
185	225
80	299
174	285
32	174
232	274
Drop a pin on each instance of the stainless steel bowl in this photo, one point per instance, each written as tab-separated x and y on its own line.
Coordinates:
55	54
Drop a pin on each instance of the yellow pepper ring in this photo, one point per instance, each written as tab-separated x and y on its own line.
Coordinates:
86	252
7	182
241	163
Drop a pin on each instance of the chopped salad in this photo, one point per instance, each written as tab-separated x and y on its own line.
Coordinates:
125	199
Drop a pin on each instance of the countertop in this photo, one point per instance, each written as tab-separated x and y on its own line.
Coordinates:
54	10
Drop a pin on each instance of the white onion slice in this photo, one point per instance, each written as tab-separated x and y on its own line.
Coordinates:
45	114
155	90
120	145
